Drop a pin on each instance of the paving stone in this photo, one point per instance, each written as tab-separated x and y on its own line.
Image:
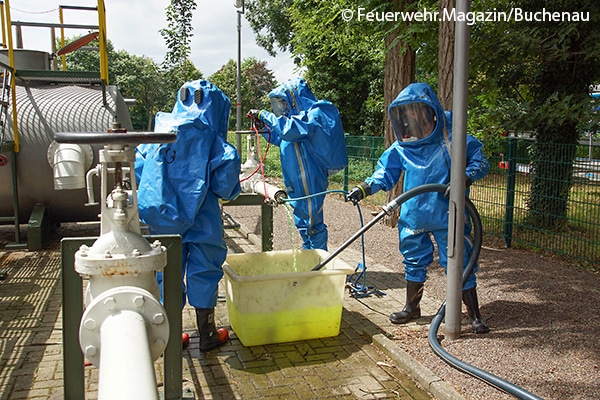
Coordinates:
345	366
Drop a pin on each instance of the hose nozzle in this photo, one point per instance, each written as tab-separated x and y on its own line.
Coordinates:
390	207
280	196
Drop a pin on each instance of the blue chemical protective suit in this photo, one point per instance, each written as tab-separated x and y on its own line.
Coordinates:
181	184
310	137
424	160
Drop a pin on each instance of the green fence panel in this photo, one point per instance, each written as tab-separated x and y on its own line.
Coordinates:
562	217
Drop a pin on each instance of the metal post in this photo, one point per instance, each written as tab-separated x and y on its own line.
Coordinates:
15	187
266	227
266	220
173	374
72	304
239	4
456	219
102	42
511	180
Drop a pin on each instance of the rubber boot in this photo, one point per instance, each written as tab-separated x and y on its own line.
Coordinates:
210	336
469	297
412	310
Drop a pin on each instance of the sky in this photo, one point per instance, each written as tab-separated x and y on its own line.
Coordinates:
133	26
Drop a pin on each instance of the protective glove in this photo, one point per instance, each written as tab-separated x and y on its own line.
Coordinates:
255	117
358	193
254	114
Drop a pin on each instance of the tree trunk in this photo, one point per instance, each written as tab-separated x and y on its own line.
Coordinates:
399	71
446	57
149	128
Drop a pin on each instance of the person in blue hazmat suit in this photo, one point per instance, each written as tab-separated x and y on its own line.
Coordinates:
422	152
310	137
180	185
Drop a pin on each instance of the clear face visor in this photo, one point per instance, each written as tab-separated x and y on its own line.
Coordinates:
413	121
280	107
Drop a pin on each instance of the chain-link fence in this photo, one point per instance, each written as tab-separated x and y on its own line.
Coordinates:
534	196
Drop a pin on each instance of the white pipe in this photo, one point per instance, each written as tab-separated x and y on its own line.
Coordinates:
69	167
270	192
90	185
126	367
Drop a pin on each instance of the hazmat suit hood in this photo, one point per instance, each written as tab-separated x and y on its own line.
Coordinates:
179	180
295	94
417	116
202	100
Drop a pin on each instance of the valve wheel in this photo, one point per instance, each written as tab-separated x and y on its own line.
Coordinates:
3	160
118	138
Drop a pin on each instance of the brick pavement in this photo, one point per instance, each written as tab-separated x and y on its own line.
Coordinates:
359	363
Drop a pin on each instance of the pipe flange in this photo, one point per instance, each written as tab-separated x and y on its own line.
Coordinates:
119	264
124	253
112	302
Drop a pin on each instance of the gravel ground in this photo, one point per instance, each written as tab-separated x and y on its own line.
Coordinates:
543	314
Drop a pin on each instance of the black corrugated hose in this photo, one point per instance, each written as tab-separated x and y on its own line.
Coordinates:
460	365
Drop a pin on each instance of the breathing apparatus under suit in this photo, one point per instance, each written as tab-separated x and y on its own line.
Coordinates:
179	191
422	151
310	137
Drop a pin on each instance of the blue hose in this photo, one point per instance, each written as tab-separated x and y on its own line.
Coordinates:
288	199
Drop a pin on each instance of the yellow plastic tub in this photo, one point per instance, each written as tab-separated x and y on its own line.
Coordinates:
274	297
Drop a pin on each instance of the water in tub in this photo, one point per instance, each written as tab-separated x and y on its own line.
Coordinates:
291	227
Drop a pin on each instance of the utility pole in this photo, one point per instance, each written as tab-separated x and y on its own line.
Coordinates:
240	5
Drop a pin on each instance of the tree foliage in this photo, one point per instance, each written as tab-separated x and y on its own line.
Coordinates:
256	83
535	76
178	34
138	77
271	22
343	62
345	59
